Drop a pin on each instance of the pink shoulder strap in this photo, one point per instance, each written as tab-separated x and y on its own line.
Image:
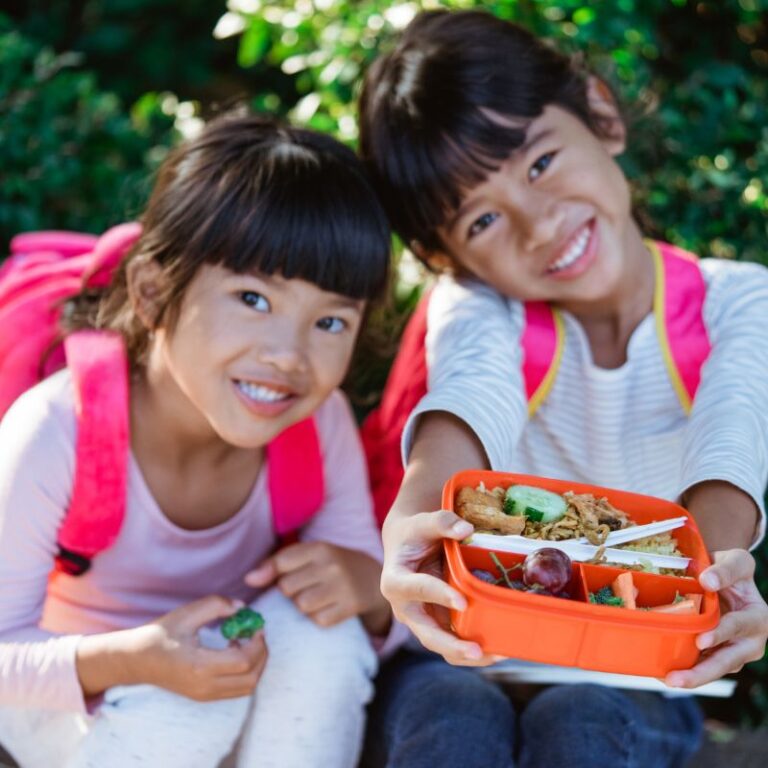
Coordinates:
296	481
98	363
679	310
542	343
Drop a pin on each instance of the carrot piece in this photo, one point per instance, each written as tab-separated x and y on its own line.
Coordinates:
697	598
624	587
681	606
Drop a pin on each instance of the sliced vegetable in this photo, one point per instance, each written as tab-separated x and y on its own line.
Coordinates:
536	503
624	587
681	606
697	598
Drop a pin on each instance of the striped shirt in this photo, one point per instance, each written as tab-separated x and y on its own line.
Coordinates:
622	427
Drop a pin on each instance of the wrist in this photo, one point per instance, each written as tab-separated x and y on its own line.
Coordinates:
106	660
713	501
378	620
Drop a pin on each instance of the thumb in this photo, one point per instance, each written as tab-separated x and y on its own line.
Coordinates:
196	614
432	526
264	574
730	566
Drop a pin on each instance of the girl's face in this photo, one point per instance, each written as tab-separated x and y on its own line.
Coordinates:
553	222
252	354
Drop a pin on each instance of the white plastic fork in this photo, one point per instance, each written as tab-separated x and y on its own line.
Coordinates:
641	531
577	551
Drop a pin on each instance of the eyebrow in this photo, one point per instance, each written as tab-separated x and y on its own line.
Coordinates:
529	143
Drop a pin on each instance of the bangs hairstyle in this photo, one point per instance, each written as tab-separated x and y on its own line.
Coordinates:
255	195
449	105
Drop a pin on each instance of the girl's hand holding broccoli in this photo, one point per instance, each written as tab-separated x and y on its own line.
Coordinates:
167	653
327	583
741	635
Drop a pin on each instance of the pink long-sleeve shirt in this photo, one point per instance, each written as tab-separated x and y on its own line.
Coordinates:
154	566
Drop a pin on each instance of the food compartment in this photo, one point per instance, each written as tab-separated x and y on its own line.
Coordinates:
510	622
652	591
484	560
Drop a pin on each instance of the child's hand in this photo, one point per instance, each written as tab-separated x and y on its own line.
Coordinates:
167	653
412	582
327	583
741	635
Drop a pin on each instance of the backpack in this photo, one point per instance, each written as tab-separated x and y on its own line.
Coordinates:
678	306
42	272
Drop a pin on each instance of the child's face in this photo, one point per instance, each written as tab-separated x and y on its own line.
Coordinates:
553	222
254	354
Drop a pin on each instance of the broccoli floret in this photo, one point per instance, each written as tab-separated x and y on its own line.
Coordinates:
605	596
243	624
508	506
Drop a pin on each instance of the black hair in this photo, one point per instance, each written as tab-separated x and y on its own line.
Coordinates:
449	104
253	194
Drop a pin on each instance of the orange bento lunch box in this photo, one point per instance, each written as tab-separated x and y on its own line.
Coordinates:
576	632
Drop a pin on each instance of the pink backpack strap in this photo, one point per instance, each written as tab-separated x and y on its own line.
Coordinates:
98	364
678	306
542	342
296	481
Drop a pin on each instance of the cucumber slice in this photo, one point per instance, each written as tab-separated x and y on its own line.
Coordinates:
540	505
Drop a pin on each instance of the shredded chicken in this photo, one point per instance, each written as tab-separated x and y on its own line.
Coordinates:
486	512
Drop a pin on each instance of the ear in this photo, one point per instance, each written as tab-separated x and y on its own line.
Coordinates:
603	106
437	261
146	289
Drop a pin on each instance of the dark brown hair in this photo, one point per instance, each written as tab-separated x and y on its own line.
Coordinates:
429	111
253	194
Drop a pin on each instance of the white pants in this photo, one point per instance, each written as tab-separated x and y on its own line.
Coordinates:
308	710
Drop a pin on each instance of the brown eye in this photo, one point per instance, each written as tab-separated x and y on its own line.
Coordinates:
540	166
255	300
332	324
481	224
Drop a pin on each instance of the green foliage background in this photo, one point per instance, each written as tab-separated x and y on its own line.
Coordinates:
92	94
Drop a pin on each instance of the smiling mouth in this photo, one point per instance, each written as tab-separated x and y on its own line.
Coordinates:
576	249
261	393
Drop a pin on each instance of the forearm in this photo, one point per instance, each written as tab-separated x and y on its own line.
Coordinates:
727	516
106	660
442	446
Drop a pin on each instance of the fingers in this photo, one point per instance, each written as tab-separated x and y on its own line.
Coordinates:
402	585
725	660
190	617
288	560
730	567
435	526
263	575
296	556
744	623
241	683
298	581
435	638
240	658
313	599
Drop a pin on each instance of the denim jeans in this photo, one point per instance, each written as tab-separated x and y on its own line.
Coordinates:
428	713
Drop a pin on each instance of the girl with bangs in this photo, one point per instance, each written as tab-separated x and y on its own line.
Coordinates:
239	306
559	342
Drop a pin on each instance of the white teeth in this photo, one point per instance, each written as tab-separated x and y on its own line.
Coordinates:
261	393
574	252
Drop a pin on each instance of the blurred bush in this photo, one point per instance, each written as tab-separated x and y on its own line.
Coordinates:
693	74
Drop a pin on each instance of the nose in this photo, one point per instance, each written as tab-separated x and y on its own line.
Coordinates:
540	220
284	348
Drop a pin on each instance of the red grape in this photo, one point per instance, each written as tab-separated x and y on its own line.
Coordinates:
548	568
